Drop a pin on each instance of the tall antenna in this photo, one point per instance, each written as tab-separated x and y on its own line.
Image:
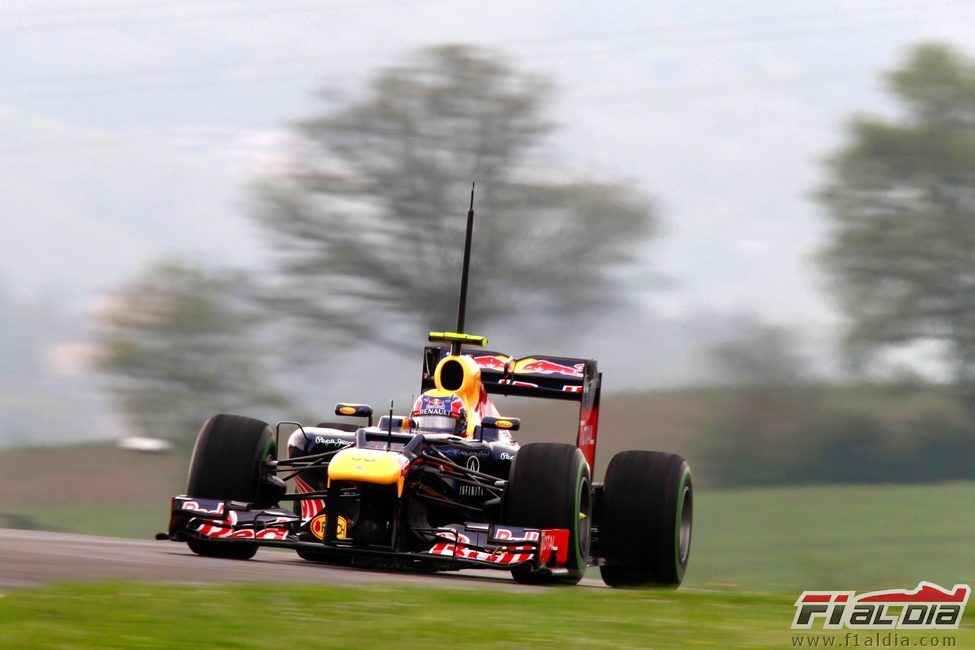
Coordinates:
462	307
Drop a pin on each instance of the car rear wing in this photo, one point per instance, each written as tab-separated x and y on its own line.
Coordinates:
538	375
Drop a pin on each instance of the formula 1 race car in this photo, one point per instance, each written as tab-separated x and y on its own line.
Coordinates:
445	486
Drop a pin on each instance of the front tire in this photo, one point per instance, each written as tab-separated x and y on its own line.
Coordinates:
227	464
549	487
645	520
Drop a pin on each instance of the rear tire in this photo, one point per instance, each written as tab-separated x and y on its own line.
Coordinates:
549	487
227	465
646	517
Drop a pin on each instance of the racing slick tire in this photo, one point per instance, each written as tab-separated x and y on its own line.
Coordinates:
226	465
645	519
549	487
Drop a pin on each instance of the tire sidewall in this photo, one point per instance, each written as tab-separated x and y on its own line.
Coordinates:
684	494
582	484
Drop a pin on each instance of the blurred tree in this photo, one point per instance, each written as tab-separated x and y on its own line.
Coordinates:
21	336
179	345
754	437
774	424
901	200
760	356
36	398
369	220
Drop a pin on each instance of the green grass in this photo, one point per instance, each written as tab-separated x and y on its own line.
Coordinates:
129	615
135	520
851	537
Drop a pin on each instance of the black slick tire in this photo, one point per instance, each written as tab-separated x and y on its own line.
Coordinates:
226	465
549	487
645	519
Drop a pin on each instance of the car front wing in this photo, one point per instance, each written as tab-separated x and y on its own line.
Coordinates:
461	545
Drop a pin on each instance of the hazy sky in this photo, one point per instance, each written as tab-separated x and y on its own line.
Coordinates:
130	129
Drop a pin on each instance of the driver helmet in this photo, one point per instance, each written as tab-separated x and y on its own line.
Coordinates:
438	411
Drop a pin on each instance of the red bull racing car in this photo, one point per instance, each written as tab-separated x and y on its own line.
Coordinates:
445	486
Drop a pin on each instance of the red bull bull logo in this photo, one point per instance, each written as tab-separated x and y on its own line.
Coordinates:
435	403
546	367
451	406
491	362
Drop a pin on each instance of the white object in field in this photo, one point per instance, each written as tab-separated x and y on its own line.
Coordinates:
145	445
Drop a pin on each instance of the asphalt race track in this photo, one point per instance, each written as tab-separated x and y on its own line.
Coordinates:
33	558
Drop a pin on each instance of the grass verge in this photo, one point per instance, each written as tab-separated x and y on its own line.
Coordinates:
128	615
